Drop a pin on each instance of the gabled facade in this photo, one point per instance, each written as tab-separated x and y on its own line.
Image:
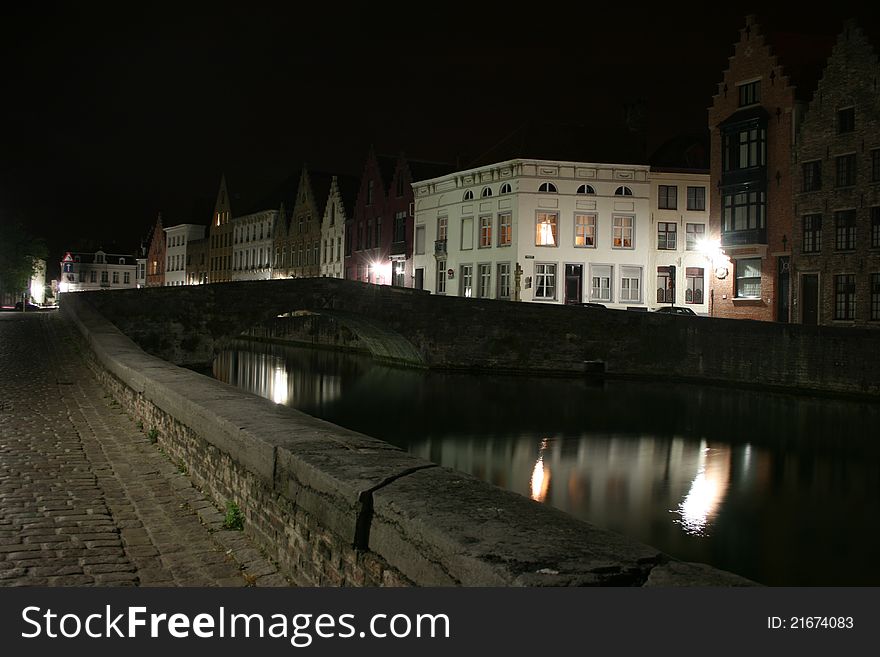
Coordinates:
367	244
82	272
337	210
752	121
156	256
197	262
297	240
836	166
220	237
177	241
538	230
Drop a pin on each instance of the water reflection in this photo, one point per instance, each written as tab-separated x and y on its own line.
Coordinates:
782	489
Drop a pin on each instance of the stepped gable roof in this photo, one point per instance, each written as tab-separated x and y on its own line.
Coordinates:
684	152
569	142
387	165
801	52
320	182
348	189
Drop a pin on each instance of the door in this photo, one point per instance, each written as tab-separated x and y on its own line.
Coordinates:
810	299
574	275
782	301
420	279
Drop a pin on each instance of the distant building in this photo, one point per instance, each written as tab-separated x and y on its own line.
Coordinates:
337	210
752	120
253	245
141	275
220	238
297	237
156	256
177	239
836	169
97	271
197	262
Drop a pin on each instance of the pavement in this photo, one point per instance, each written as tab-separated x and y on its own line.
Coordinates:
85	498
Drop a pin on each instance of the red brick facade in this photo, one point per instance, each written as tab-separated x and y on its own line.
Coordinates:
754	60
156	256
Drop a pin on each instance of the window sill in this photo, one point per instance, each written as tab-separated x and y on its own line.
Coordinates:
748	301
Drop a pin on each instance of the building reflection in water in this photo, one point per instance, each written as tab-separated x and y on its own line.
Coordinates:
794	503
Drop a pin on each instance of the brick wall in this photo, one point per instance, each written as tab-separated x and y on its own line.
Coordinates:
849	80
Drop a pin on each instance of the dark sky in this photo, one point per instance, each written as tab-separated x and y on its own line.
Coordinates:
110	117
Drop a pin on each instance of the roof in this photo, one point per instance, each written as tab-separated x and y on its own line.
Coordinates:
387	165
572	142
109	258
684	152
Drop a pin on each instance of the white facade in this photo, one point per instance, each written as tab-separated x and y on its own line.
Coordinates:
680	221
333	233
96	271
141	272
538	230
176	239
252	245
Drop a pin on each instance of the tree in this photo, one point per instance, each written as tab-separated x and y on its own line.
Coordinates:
19	252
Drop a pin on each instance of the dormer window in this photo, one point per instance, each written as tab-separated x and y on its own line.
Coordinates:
547	188
586	189
623	190
487	191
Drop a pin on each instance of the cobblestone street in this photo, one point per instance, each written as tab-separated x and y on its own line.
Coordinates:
85	497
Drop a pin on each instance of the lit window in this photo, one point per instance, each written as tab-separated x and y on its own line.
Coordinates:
694	234
622	232
665	290
505	229
547	187
545	228
485	232
545	280
585	230
748	278
442	223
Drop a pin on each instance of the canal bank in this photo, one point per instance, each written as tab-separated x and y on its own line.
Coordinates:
332	506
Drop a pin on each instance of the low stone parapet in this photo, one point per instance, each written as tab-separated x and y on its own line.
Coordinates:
335	507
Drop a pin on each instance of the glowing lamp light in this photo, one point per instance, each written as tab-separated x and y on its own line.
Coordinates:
279	386
63	286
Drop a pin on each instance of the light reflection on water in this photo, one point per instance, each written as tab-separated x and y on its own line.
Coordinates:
781	489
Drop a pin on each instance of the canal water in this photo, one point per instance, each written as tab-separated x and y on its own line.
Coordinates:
779	488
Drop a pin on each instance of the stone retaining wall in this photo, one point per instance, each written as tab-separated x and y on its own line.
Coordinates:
335	507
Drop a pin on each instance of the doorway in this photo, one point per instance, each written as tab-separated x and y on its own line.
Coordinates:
810	299
574	277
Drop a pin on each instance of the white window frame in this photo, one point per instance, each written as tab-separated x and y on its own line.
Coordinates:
595	222
632	230
485	231
504	275
484	280
546	273
554	230
626	283
501	226
598	270
466	280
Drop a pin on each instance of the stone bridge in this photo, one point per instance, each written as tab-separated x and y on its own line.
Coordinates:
188	325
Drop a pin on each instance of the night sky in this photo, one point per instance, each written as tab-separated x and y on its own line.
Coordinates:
111	115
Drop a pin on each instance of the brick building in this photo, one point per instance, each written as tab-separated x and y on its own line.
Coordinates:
156	256
752	121
220	238
836	166
297	234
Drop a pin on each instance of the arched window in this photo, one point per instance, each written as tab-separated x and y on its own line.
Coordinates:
623	191
548	187
586	189
468	195
505	189
487	191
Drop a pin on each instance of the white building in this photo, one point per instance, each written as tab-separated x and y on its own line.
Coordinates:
680	220
141	272
538	230
96	271
338	209
252	245
176	239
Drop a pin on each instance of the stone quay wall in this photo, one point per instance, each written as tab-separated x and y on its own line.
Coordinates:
334	507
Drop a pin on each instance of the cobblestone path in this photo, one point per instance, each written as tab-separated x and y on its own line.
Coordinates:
85	498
